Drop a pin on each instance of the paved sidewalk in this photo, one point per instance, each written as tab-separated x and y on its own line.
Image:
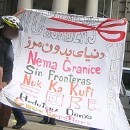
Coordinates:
34	125
37	126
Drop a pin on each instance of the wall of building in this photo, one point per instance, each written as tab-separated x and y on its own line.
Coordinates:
44	4
8	7
124	12
75	6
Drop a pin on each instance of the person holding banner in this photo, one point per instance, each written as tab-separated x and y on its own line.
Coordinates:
9	30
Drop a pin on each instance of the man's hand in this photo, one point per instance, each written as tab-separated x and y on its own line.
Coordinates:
20	11
4	84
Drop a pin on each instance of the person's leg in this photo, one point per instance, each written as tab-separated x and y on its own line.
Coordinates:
18	115
5	112
19	118
52	121
44	120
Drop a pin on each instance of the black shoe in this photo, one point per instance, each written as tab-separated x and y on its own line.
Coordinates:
1	127
44	121
18	125
52	121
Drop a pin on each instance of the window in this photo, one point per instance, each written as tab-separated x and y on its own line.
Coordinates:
104	8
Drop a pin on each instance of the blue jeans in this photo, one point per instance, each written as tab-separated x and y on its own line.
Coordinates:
18	115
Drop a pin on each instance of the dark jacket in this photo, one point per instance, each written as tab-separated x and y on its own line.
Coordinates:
6	57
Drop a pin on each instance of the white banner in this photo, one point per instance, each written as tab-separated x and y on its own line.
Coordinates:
69	67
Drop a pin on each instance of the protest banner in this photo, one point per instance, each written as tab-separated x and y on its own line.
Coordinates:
69	67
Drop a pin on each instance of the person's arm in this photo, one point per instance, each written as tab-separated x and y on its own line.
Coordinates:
1	75
20	11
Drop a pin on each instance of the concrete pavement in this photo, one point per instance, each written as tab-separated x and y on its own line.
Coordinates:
34	125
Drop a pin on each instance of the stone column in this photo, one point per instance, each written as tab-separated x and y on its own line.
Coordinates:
91	8
28	4
60	6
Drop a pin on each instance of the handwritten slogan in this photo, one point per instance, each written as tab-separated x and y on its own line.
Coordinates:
69	67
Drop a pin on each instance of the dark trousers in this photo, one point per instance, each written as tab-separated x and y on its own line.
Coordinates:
5	113
18	115
48	119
